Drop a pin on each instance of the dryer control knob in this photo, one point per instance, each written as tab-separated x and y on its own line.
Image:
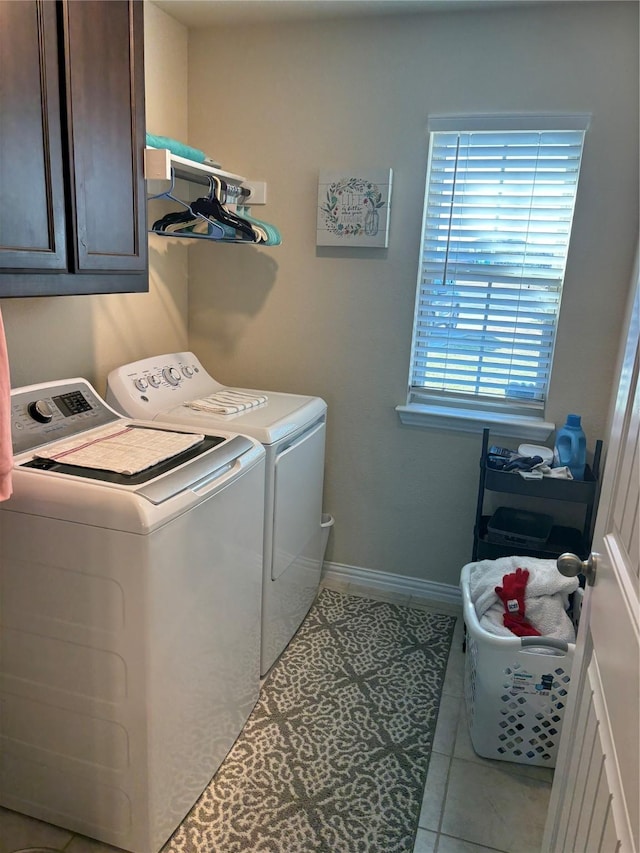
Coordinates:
155	380
40	411
141	384
171	375
188	372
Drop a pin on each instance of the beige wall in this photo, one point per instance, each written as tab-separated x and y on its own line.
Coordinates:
58	337
281	103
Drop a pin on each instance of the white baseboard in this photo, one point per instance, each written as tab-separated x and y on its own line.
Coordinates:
391	583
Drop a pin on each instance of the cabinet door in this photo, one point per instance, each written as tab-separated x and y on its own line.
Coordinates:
105	114
32	208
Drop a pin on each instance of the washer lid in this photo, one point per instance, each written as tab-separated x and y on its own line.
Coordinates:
281	416
152	472
70	416
139	509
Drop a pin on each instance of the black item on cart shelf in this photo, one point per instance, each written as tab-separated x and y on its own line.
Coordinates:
500	457
509	526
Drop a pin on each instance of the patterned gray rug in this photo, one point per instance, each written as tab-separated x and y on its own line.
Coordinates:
334	757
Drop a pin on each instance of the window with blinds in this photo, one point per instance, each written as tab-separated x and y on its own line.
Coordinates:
497	221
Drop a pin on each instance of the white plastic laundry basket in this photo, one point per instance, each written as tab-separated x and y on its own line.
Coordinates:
516	689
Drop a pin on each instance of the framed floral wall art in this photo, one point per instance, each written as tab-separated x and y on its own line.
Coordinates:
353	208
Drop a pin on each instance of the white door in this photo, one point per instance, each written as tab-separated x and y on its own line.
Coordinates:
595	797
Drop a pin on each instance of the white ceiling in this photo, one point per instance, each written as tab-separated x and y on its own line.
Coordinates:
206	13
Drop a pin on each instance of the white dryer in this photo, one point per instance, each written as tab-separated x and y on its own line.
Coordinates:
129	615
292	429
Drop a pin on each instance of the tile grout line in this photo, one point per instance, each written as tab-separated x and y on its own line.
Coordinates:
446	786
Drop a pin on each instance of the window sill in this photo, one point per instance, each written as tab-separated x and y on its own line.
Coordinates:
463	420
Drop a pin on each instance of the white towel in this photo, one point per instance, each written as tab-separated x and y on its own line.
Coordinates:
546	596
6	447
123	449
228	401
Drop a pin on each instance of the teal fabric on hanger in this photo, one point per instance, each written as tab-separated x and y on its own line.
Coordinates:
273	235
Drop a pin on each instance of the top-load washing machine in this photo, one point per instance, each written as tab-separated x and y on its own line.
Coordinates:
175	388
130	595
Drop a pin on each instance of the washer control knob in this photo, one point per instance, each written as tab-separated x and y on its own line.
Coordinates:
141	384
171	375
188	372
40	411
155	380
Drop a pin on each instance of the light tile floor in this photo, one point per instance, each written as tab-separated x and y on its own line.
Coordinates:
470	804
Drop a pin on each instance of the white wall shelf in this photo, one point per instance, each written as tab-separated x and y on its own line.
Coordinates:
160	162
235	194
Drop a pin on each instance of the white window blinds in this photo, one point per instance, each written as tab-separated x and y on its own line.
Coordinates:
497	221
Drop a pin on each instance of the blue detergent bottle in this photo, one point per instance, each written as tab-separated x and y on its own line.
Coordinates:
571	447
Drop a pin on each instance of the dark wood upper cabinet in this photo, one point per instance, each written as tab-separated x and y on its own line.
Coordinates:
72	195
32	194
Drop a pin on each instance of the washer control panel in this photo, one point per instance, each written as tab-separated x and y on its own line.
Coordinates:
53	410
144	388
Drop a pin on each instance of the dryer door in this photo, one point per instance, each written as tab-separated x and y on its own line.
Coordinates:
299	473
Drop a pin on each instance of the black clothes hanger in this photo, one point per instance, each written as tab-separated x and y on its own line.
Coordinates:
186	216
173	218
212	207
208	209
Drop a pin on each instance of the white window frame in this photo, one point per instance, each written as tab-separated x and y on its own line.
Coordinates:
466	412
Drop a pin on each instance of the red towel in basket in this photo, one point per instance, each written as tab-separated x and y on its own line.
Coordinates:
511	593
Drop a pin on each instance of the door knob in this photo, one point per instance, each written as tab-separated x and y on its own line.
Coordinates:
571	565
